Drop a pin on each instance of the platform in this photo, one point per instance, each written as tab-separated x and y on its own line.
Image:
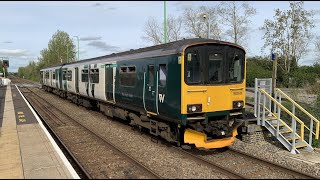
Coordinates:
27	151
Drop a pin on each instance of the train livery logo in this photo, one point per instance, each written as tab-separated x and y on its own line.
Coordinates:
161	97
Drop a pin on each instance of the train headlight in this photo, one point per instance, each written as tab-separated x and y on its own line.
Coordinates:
191	108
237	104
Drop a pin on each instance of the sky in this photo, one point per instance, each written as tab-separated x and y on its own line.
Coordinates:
106	27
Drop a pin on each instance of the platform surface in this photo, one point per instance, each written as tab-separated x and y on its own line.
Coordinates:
27	150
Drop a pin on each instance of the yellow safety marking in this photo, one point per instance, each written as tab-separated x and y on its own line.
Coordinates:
21	116
20	113
151	113
22	120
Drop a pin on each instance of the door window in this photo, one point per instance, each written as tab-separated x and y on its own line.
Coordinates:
163	74
150	75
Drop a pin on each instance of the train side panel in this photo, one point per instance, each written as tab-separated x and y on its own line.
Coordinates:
83	80
150	84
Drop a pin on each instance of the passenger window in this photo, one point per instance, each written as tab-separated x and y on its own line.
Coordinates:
123	69
128	76
192	67
163	74
84	75
94	76
64	75
69	78
150	75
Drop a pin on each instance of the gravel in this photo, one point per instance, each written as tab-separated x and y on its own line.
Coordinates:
273	152
165	161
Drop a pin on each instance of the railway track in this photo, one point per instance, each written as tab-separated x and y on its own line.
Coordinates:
224	170
49	112
230	172
227	162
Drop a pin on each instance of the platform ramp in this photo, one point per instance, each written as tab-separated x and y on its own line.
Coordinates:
295	128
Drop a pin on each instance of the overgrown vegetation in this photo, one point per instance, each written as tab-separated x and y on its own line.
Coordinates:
299	77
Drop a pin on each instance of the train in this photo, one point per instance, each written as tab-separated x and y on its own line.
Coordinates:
189	92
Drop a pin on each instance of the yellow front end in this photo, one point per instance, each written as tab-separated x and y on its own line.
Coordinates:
213	98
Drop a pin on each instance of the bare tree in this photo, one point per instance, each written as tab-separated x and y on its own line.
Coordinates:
289	34
195	25
236	16
173	28
154	30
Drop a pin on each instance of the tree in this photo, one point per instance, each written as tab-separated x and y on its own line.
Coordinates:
236	16
154	31
195	25
60	50
289	34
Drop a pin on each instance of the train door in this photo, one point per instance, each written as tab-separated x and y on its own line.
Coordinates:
161	73
60	79
86	71
57	78
64	79
41	75
110	81
45	77
93	78
150	88
50	78
77	79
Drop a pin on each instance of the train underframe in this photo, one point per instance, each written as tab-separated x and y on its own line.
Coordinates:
206	132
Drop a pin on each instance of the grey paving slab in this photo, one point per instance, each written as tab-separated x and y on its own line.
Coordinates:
46	173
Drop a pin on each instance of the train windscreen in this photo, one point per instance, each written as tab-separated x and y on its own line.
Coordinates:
214	64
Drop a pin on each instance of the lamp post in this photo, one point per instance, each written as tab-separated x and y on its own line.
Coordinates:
67	53
205	17
165	23
78	46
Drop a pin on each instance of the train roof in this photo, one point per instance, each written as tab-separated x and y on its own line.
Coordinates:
157	50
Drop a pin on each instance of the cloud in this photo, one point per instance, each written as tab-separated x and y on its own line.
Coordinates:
104	6
20	53
111	8
97	4
83	51
7	42
91	38
103	46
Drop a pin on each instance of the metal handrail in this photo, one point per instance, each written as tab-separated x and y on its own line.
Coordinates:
303	110
285	124
287	111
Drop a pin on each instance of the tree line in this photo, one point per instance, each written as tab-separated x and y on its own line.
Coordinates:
288	34
60	50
